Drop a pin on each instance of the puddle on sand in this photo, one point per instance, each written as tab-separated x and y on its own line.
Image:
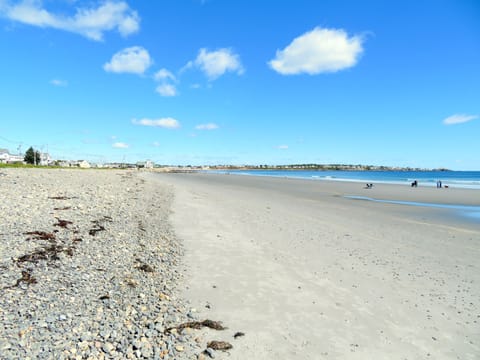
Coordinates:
466	210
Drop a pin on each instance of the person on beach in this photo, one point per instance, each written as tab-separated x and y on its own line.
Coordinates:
414	183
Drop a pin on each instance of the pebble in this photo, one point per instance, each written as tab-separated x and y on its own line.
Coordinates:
61	315
210	352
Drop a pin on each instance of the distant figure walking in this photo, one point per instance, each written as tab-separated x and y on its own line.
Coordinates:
414	183
369	186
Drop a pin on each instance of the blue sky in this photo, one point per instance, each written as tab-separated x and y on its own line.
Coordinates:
243	82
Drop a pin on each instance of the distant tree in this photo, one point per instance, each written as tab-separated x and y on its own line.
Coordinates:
32	156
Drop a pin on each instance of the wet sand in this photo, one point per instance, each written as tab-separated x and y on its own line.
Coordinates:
306	273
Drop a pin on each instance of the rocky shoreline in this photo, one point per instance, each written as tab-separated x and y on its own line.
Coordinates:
89	268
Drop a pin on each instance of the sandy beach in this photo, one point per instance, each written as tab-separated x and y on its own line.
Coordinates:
108	264
306	273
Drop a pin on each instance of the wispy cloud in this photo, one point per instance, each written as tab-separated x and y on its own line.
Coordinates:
167	123
459	119
134	60
164	74
166	90
318	51
209	126
90	22
58	82
156	144
166	79
120	145
216	63
282	147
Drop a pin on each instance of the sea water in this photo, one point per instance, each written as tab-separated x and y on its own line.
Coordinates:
454	179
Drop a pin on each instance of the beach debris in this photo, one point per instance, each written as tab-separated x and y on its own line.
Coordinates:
63	208
45	253
63	223
104	297
26	278
197	325
219	345
40	235
99	227
238	334
95	230
60	197
144	266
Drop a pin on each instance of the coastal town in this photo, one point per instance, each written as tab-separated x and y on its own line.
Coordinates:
44	159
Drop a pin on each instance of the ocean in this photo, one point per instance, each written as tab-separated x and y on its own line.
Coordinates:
454	179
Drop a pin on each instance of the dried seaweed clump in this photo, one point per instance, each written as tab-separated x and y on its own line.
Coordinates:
216	325
219	345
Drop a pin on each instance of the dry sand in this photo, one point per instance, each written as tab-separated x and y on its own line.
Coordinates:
306	273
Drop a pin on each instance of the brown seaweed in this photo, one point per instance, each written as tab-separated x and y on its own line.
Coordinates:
215	325
219	345
63	223
40	235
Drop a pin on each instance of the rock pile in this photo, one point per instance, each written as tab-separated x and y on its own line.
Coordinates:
88	268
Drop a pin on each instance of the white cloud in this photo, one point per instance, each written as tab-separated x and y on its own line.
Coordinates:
89	22
58	82
134	60
282	147
120	145
168	123
318	51
216	63
163	75
209	126
166	90
459	118
156	144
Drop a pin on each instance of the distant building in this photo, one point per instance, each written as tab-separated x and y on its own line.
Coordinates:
45	159
145	164
84	164
7	158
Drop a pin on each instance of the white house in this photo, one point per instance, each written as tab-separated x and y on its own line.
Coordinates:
45	159
145	164
84	164
7	158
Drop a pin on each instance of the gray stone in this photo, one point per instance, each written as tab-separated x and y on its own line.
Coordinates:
108	347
